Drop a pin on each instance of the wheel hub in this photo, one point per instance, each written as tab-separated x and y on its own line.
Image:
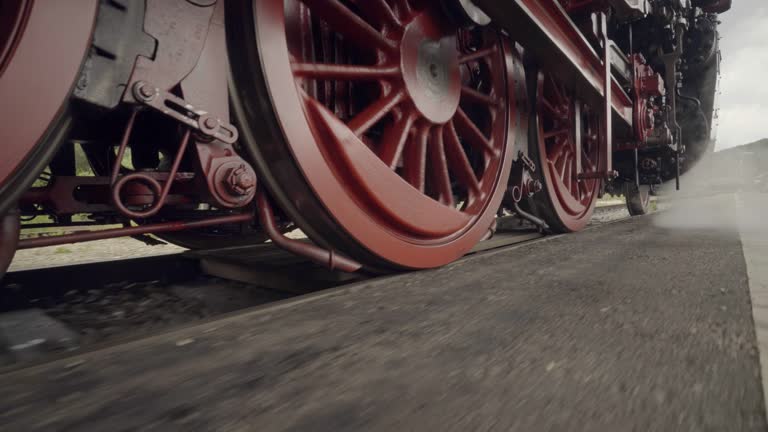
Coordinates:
430	67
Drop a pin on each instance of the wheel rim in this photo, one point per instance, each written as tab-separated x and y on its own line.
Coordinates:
13	17
569	201
410	166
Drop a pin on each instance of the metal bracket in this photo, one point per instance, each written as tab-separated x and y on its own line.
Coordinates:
184	112
521	182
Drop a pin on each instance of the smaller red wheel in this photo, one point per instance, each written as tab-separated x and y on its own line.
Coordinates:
567	202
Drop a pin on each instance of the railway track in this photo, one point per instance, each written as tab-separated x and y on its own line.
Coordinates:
104	303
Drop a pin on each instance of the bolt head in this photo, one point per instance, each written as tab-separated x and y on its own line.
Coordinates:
247	180
241	181
211	122
144	92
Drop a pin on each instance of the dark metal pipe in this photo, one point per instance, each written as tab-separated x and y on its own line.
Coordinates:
130	231
319	255
531	218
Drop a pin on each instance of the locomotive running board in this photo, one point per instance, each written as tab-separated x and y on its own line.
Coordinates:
543	28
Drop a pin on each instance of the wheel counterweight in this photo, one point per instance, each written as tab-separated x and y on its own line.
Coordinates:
387	129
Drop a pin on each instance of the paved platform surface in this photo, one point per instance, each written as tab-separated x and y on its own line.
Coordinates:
640	325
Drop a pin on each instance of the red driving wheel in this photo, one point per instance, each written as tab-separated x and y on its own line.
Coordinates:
42	45
567	202
379	127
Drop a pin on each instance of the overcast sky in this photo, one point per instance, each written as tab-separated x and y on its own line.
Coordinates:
744	81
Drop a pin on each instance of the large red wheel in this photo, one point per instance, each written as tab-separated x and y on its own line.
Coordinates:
42	45
379	127
567	202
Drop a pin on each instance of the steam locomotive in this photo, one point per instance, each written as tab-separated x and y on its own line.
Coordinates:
393	133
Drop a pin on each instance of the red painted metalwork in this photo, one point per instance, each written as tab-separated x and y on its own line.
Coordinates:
230	179
58	32
160	192
546	31
328	258
13	19
191	53
647	84
132	231
606	156
383	128
71	195
570	198
389	169
583	6
117	165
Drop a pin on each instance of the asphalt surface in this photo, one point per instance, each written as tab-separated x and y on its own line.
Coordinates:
639	325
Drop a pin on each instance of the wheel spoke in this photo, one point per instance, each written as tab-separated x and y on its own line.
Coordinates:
380	10
560	165
550	134
473	96
472	134
346	22
556	90
326	55
477	55
549	107
587	161
415	159
394	140
458	162
375	112
575	189
403	7
344	72
439	168
558	150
